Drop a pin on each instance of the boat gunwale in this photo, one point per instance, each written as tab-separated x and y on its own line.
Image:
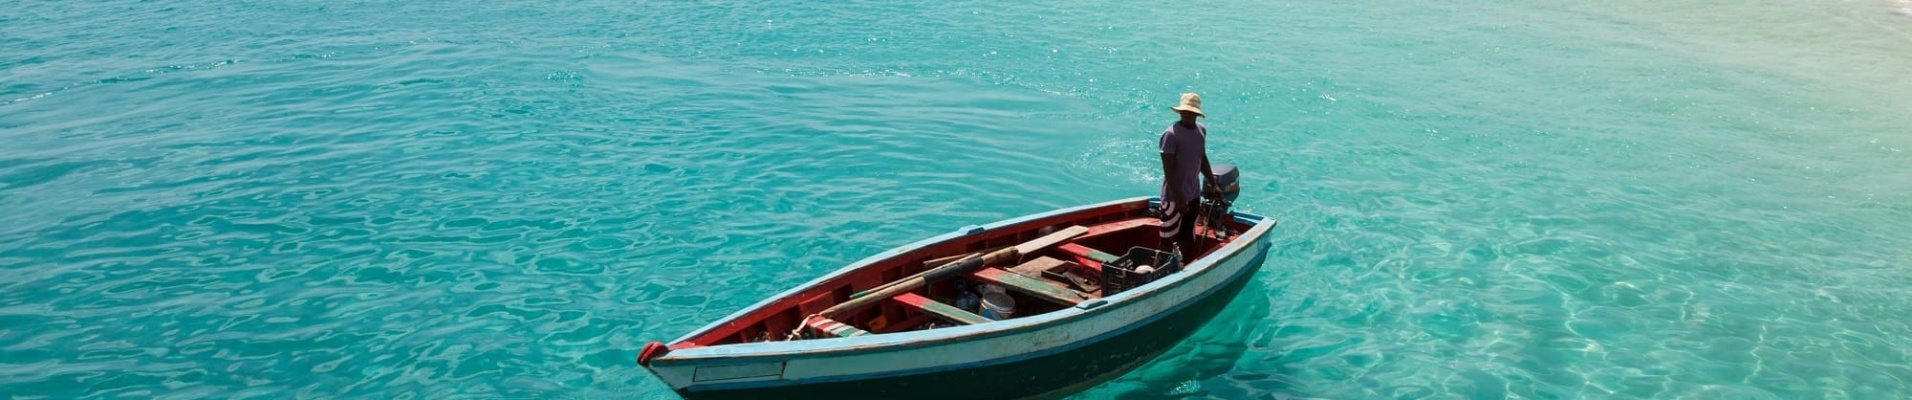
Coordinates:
743	352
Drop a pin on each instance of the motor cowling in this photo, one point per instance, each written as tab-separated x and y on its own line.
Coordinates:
1228	179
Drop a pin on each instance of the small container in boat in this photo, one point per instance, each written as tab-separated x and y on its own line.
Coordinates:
998	306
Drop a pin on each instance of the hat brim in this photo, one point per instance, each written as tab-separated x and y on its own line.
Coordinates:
1197	111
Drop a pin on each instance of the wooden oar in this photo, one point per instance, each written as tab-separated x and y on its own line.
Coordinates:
938	262
930	265
924	279
952	260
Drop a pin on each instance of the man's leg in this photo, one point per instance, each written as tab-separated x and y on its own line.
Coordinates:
1171	228
1186	232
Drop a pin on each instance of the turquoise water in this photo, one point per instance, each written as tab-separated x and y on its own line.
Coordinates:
1618	199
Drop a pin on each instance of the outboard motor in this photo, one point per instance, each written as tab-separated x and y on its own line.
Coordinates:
1227	177
1215	204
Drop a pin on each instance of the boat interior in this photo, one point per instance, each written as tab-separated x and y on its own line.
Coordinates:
1058	261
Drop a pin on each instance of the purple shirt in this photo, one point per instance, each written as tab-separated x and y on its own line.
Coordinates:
1190	147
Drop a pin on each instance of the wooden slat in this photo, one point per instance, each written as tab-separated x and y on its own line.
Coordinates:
1064	235
1040	288
1034	268
1088	253
831	327
937	308
939	261
1039	267
1092	265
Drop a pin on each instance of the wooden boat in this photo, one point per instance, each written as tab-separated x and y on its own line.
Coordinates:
1073	325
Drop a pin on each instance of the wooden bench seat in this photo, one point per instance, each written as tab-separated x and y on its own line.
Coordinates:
938	309
1092	257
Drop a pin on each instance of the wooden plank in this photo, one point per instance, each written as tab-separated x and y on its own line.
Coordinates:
1074	279
1065	271
939	261
1034	268
1092	265
1086	252
1064	235
937	308
1040	288
831	327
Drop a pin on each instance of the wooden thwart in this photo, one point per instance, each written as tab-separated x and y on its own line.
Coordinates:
1040	288
1086	252
937	308
831	327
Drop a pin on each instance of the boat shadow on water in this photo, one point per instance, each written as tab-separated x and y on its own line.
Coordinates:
1191	367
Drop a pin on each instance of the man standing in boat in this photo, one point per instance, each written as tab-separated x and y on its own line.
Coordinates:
1184	165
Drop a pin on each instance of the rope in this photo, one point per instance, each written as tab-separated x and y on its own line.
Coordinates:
797	333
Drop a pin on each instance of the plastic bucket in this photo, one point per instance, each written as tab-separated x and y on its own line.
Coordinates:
998	306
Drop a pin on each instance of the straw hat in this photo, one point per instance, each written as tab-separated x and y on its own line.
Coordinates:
1190	103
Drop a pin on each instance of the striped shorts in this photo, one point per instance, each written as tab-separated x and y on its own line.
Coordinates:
1177	224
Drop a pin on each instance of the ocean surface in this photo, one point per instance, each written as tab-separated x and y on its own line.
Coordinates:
428	199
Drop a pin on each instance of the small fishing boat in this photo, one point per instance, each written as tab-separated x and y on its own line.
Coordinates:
1037	306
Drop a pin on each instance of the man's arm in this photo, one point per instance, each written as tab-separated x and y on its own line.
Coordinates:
1168	170
1206	171
1208	174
